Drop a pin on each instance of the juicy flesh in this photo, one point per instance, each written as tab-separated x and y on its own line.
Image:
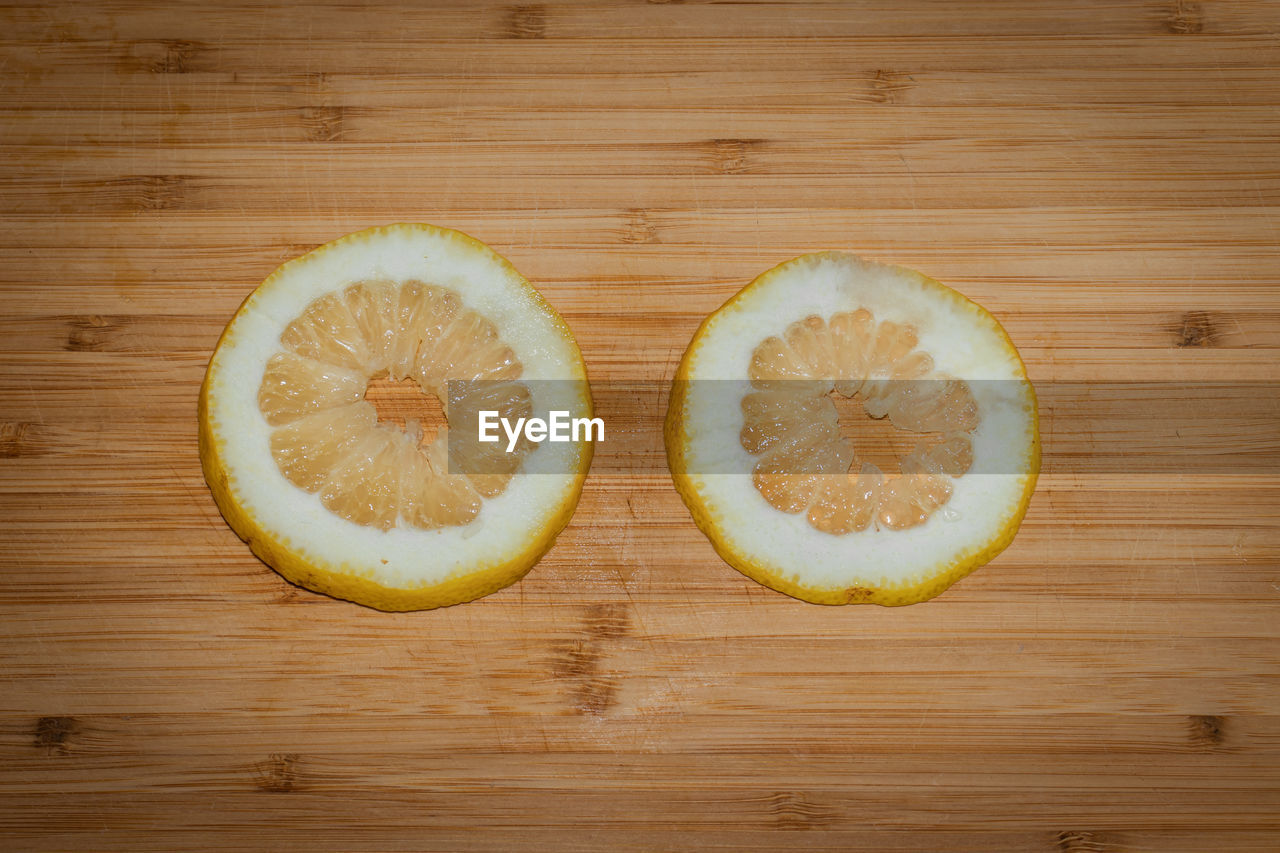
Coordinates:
790	422
326	437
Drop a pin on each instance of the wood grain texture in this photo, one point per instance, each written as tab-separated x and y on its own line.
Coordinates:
1104	176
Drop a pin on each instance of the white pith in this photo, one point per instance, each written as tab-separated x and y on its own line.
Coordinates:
965	342
402	557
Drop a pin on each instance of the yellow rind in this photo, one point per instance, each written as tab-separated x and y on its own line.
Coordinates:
314	574
772	577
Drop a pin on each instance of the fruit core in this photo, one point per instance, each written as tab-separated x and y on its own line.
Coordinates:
800	419
350	397
404	405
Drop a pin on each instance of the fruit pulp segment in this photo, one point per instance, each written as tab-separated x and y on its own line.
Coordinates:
326	438
790	422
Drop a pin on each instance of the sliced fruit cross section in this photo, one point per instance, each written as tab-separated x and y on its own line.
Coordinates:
335	500
787	499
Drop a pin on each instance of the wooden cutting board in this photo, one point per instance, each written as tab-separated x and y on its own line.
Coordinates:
1104	176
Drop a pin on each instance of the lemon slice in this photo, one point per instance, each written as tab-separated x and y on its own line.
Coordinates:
340	502
781	482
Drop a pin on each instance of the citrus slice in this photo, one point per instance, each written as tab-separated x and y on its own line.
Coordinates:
373	510
783	484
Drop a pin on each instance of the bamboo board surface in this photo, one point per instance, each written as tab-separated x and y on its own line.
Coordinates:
1103	176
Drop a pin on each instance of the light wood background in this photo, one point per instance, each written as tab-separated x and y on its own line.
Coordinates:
1104	176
